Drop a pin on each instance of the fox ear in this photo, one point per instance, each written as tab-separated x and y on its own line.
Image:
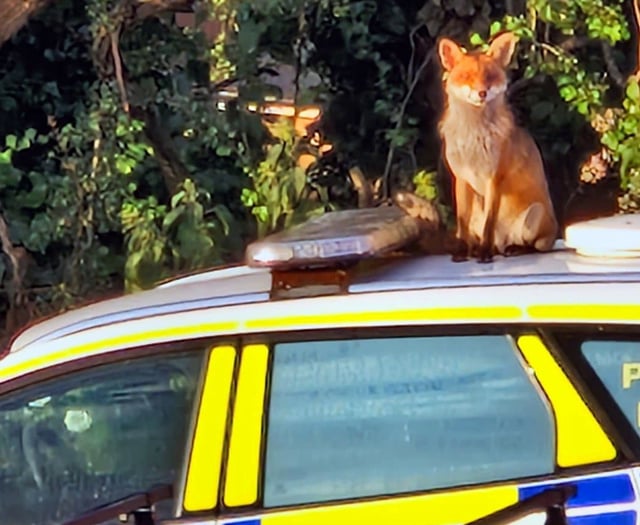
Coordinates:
450	53
502	48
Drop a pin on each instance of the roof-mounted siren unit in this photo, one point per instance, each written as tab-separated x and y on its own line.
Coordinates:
617	236
336	237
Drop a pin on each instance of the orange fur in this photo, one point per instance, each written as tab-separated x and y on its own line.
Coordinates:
501	192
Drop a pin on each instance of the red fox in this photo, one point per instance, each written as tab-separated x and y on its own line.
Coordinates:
501	193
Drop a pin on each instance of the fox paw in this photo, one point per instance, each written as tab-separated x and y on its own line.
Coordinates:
460	251
485	254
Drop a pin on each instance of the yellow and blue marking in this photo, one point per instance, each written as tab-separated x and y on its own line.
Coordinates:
601	499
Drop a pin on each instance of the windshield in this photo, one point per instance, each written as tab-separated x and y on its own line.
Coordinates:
94	436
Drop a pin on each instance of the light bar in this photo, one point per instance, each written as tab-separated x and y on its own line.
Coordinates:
615	236
336	236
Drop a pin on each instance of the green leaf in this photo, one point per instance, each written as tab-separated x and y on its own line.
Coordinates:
137	151
6	157
9	176
51	88
568	93
476	40
583	107
610	140
633	90
38	194
8	103
177	198
299	181
223	151
171	218
11	141
249	36
30	134
125	165
224	216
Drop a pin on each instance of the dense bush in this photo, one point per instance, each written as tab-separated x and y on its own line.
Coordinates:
116	168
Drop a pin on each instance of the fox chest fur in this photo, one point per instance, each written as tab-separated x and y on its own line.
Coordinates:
474	141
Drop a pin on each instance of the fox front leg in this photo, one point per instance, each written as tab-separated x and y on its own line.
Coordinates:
490	212
465	245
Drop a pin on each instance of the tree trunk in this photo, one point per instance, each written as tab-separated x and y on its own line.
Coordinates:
15	14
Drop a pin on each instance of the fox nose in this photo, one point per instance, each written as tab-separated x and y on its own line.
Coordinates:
482	94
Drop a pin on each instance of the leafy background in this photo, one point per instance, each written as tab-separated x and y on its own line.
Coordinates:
118	169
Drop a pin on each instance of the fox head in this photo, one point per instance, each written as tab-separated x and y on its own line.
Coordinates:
477	78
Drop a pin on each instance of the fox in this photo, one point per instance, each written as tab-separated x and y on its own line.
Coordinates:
500	189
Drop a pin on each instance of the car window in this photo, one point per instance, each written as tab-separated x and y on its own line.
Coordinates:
357	418
94	436
617	363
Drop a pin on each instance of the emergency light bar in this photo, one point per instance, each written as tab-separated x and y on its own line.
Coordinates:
617	236
336	236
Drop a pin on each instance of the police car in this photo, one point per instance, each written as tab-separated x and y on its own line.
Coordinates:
333	379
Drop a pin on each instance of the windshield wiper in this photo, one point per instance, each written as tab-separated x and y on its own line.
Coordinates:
139	505
552	501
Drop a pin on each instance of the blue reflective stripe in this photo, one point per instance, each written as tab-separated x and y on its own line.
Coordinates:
601	490
627	517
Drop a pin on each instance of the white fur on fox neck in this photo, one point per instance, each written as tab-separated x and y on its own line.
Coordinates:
472	96
473	133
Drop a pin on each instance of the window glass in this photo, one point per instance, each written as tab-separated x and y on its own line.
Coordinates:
94	436
368	417
617	363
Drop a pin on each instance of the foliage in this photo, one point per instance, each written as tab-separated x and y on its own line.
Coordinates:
166	239
278	197
100	183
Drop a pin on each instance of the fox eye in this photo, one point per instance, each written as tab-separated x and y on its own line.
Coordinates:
492	78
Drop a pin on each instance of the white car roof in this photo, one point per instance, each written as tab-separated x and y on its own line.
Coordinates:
242	284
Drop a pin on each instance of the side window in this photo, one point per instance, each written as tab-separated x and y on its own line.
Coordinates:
357	418
93	436
617	363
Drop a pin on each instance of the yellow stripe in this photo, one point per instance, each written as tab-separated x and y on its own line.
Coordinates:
470	313
241	487
581	439
203	474
140	336
445	508
586	312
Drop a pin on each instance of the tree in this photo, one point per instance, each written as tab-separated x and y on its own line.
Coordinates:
115	163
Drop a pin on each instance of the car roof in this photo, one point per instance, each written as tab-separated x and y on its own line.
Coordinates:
242	284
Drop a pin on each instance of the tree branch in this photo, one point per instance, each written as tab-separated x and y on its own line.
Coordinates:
117	64
403	108
173	170
575	42
18	311
612	68
16	13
